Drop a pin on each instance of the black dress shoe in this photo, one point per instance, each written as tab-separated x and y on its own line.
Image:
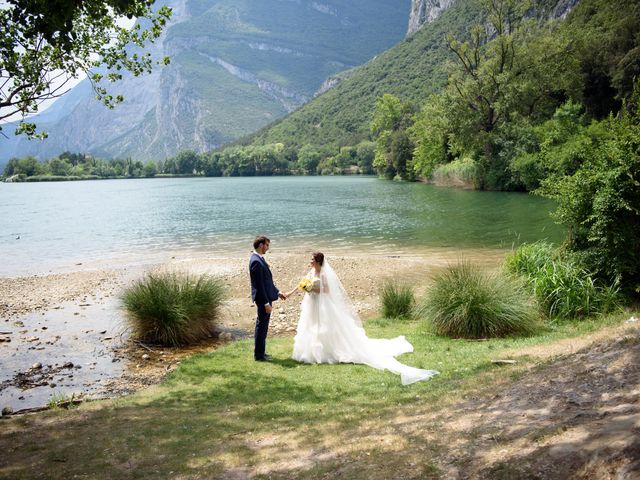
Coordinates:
267	356
263	359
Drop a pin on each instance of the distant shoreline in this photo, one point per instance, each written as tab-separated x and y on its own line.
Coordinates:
85	178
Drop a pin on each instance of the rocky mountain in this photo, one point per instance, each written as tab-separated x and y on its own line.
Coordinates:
235	67
425	11
411	70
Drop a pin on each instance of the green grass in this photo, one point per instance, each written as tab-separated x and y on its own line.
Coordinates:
397	300
467	302
529	258
214	411
224	412
461	171
59	399
173	309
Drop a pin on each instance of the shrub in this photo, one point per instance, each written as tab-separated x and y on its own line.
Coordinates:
467	302
397	300
561	284
173	309
459	173
529	258
598	201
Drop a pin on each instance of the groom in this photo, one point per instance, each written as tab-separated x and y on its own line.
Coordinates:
263	292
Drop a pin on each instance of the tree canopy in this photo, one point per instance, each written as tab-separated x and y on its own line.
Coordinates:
46	43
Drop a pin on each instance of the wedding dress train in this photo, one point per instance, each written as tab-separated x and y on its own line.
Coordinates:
330	331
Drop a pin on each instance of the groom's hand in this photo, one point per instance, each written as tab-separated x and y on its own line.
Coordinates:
282	296
268	308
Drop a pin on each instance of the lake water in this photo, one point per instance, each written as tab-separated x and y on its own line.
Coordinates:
54	226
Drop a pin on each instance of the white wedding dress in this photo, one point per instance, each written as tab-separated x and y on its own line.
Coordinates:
330	331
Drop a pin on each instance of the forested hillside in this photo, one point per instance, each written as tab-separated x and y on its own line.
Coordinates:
410	70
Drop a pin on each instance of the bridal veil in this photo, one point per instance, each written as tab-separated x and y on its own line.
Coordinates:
330	331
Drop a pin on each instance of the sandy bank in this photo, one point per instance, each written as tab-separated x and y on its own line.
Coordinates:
361	273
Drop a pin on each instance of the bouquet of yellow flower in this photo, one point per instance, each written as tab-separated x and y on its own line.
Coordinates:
306	285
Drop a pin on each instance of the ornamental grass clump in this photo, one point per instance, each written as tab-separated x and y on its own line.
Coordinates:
397	300
467	302
173	309
562	286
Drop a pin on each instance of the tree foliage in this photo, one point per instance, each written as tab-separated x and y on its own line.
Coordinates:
265	160
608	47
510	70
599	199
45	44
394	148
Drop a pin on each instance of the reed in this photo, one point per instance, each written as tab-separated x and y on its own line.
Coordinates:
562	286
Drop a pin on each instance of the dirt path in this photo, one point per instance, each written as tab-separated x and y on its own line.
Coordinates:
576	417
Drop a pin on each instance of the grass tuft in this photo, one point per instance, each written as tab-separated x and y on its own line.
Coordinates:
397	300
467	302
173	309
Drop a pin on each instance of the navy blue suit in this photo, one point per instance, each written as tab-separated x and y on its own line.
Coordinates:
263	292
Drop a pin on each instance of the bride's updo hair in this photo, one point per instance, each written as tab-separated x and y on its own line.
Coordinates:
318	257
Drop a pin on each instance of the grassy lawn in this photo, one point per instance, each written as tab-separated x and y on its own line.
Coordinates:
222	414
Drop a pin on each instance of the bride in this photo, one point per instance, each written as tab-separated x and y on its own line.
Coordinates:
330	331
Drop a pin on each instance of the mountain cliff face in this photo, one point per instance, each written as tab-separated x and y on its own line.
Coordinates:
235	67
425	11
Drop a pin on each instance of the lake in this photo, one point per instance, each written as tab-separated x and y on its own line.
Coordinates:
55	226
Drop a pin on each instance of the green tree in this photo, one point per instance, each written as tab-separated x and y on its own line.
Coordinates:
45	44
10	167
269	159
390	121
512	69
212	164
430	135
60	166
600	201
346	157
28	166
186	161
558	146
365	154
608	46
77	171
308	159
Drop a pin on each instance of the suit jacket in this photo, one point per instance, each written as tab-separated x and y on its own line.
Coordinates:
263	290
